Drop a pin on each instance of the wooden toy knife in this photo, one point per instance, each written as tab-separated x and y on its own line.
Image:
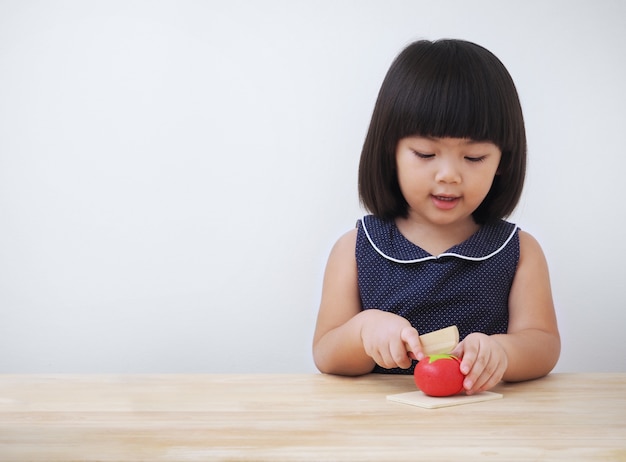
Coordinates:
440	341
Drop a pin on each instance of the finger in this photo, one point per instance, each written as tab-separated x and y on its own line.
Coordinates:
471	366
386	358
482	371
491	382
458	351
400	356
412	344
414	353
468	352
492	378
380	358
486	382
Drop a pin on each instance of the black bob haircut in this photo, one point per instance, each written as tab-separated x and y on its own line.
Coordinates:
447	88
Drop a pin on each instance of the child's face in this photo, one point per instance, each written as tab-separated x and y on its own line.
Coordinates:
444	180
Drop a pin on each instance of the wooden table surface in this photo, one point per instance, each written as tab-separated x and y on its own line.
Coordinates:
276	417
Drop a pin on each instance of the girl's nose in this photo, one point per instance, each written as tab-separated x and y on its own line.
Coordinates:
448	172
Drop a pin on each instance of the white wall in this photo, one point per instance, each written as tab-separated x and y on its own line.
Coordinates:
174	173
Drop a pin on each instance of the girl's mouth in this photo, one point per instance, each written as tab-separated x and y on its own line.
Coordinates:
445	202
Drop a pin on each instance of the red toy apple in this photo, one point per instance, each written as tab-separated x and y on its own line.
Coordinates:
439	375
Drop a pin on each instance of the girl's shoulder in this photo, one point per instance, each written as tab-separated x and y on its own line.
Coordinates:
345	245
348	238
530	249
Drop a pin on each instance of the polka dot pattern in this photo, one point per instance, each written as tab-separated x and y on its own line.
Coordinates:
468	285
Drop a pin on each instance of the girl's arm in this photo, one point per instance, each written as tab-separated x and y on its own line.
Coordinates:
532	345
348	340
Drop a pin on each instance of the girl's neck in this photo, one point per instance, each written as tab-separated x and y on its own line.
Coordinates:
433	238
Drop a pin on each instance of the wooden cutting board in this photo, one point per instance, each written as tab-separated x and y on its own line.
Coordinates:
418	398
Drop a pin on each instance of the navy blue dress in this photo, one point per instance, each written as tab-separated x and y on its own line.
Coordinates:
467	286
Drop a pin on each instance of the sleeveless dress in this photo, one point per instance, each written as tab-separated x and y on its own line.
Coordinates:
467	286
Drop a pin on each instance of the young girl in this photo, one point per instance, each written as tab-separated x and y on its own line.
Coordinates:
442	164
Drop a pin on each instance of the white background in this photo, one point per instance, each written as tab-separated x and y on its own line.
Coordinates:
173	174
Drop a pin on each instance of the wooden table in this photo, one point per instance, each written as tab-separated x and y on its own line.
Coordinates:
568	417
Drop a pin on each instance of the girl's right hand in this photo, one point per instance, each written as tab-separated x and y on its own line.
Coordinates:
387	338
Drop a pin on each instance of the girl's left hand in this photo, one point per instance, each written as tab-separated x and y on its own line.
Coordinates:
483	362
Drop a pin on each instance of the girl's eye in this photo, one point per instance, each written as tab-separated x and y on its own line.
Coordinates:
476	159
422	155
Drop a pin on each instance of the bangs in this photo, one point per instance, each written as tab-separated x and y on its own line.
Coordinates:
450	93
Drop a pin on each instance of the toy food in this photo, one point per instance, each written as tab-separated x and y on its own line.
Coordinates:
439	375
